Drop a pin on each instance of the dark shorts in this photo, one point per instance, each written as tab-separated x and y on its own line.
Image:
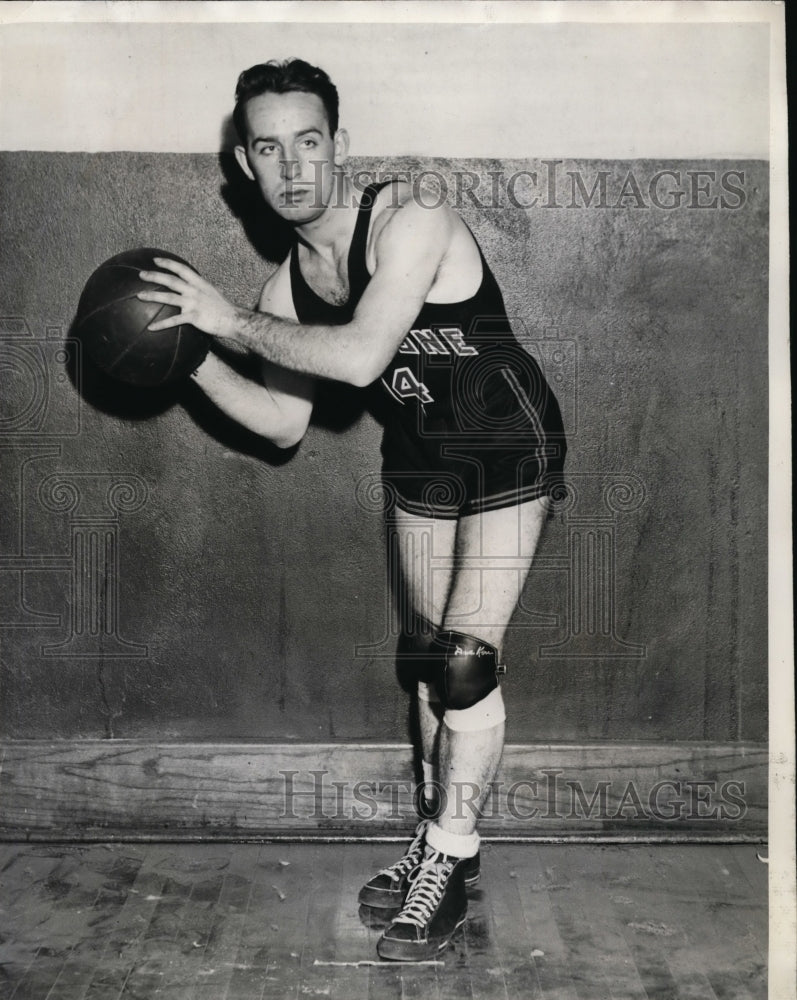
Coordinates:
498	443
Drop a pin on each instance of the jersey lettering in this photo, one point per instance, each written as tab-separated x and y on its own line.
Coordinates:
430	343
455	338
446	340
404	385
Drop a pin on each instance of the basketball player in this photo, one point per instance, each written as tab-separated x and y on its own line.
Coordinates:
380	290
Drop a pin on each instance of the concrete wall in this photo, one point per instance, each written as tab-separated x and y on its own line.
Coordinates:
251	585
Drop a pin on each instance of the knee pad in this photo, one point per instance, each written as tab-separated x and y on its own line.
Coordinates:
420	658
469	671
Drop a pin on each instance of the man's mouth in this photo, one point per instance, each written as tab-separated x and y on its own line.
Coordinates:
295	195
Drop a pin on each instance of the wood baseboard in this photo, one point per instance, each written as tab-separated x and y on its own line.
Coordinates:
134	790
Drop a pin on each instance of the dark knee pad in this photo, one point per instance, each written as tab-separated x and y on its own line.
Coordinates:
418	654
469	671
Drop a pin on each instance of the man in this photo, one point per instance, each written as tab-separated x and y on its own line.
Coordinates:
381	290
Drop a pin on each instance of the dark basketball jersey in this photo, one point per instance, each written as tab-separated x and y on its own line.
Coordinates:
458	382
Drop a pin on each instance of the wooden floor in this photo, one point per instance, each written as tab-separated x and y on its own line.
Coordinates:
249	922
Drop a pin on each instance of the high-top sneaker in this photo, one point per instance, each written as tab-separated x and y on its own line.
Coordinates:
388	888
436	905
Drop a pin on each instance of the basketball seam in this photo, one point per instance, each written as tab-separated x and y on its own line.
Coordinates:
175	352
107	305
126	267
134	343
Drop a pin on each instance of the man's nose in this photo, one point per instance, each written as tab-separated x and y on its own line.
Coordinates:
290	168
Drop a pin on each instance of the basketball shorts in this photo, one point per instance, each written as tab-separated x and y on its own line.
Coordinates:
499	442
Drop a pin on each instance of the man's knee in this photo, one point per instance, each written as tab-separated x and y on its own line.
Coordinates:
419	659
467	682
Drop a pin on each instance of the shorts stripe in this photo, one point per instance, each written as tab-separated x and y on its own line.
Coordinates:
507	498
531	413
514	470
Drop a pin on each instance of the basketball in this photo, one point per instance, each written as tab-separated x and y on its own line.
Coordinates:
111	324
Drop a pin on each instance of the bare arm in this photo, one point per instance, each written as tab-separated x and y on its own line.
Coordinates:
409	252
279	407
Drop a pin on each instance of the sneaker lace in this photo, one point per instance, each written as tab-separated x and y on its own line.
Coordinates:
428	884
412	857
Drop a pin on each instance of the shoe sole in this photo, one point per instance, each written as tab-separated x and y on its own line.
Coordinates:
379	900
406	951
376	919
382	900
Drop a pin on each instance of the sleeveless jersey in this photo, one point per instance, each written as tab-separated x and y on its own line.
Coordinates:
459	381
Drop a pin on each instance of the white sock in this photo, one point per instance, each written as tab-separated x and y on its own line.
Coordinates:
458	845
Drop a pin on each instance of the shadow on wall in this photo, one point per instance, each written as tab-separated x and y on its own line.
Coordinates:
270	235
337	407
136	403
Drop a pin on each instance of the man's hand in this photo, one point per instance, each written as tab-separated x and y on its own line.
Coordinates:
200	304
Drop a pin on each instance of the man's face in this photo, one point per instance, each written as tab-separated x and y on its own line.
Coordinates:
291	154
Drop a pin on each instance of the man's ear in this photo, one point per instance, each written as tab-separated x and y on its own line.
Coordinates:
341	145
243	162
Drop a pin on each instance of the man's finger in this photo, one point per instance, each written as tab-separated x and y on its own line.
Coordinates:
165	298
161	278
183	270
166	324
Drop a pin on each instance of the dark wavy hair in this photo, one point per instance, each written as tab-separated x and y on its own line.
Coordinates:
284	77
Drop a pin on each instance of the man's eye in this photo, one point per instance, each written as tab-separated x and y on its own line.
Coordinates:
266	150
309	143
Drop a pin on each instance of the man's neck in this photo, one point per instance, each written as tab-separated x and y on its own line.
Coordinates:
330	234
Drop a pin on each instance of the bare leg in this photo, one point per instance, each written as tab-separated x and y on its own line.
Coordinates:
429	716
466	576
478	595
481	602
468	763
425	547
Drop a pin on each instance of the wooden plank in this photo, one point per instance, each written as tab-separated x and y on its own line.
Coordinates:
39	978
59	889
141	943
165	954
647	893
453	978
228	918
288	876
119	868
334	932
583	960
746	857
179	930
617	922
537	880
353	940
673	932
496	954
737	919
94	789
123	939
24	869
252	972
601	789
636	973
